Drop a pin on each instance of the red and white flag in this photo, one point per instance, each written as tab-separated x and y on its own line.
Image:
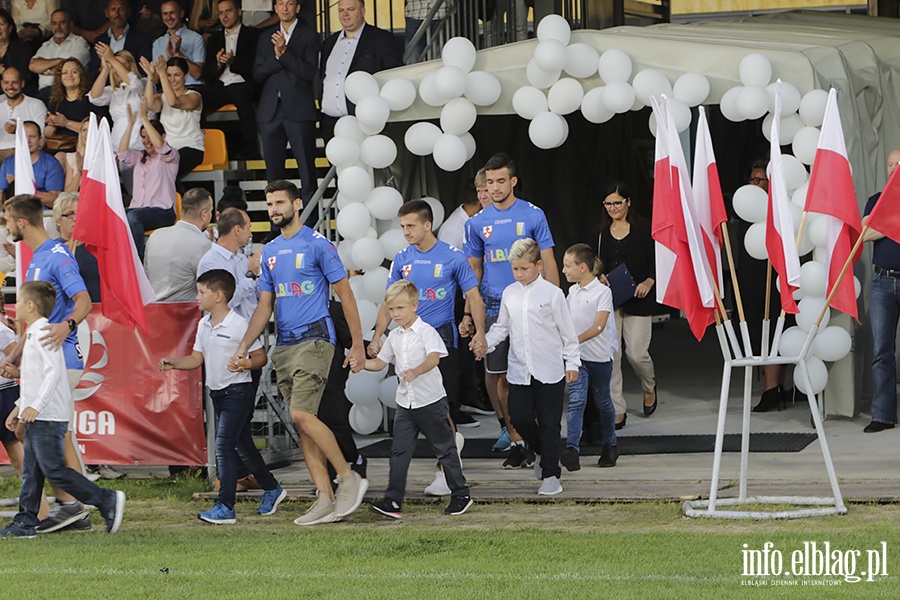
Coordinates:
780	243
103	228
708	201
23	184
831	193
885	215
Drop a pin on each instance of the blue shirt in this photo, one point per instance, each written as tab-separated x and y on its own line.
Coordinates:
299	271
885	252
192	46
53	262
491	233
437	274
48	173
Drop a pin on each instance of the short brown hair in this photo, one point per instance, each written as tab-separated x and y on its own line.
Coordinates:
420	207
583	254
229	219
42	293
26	206
195	200
501	160
403	289
219	280
283	185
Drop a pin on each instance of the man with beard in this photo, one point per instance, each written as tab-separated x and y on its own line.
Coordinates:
298	267
16	105
64	44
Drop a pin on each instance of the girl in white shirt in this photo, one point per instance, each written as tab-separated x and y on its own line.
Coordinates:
591	304
543	357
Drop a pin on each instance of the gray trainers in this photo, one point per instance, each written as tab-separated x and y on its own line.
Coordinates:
349	495
538	471
61	516
82	524
550	487
320	512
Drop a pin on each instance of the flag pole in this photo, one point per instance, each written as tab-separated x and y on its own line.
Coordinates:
843	272
734	279
764	342
780	327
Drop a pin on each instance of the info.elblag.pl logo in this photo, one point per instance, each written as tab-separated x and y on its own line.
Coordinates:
811	563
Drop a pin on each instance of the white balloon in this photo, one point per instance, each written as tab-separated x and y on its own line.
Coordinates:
755	69
753	102
428	92
387	391
529	101
792	341
358	85
372	112
818	229
681	113
342	151
638	105
437	210
651	82
790	98
450	82
581	60
400	93
832	344
593	108
755	241
691	88
345	253
378	151
450	152
618	96
459	52
469	141
554	27
565	134
538	77
812	107
751	203
799	196
651	123
729	106
420	138
546	130
374	283
355	183
362	389
790	125
458	116
392	242
368	254
365	419
818	375
857	286
482	88
371	233
340	201
550	56
813	279
384	202
614	65
565	96
810	308
805	144
795	173
348	126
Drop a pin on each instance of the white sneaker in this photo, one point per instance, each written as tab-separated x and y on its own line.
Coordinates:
438	487
460	444
550	487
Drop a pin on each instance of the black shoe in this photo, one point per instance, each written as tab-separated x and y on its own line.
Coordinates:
388	508
771	399
569	459
649	410
621	423
113	514
608	456
61	516
478	407
360	466
82	524
465	420
516	459
876	426
530	458
458	505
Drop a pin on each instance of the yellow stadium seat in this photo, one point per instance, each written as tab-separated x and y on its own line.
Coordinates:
215	155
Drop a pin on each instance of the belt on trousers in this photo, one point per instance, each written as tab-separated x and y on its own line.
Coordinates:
892	273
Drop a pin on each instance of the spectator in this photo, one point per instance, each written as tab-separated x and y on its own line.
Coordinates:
179	109
15	52
32	18
120	36
229	77
68	106
153	202
357	47
17	106
174	253
148	18
88	17
64	210
201	18
181	42
49	178
73	162
118	86
64	44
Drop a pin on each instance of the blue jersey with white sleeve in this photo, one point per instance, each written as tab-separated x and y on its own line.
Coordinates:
299	272
491	233
437	273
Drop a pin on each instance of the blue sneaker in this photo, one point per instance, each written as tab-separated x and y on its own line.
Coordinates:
503	442
270	501
14	530
219	514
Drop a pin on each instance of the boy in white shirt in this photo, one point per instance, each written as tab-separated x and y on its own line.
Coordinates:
543	357
591	305
45	407
232	391
416	348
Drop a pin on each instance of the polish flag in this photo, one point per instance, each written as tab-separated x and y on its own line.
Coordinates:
885	216
708	201
831	193
24	184
780	243
102	226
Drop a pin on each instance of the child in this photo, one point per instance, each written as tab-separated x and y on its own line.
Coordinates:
45	407
9	393
415	348
591	305
232	392
543	357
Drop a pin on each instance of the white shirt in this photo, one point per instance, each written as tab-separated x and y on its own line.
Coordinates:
43	379
218	344
453	230
289	31
584	304
337	67
117	44
7	337
30	109
73	46
231	40
182	126
407	348
246	293
118	100
542	339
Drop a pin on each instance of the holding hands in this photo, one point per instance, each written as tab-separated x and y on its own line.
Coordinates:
167	364
280	43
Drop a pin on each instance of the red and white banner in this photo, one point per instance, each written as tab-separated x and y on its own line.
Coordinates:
127	412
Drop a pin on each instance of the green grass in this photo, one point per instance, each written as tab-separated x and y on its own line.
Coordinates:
515	550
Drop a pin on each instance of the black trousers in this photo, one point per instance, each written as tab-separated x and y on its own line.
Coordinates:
536	412
243	96
448	368
302	135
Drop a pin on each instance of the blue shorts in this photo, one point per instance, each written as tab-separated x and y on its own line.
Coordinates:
8	397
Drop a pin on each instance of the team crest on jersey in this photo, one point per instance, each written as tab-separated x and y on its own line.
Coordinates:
438	269
520	228
406	270
299	261
487	231
271	263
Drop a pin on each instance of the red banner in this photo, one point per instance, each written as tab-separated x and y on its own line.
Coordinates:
126	411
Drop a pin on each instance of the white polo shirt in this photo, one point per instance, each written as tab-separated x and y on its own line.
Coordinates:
74	46
30	109
584	304
218	344
408	348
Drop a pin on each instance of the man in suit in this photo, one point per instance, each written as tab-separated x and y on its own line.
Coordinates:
228	72
120	36
357	47
285	66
